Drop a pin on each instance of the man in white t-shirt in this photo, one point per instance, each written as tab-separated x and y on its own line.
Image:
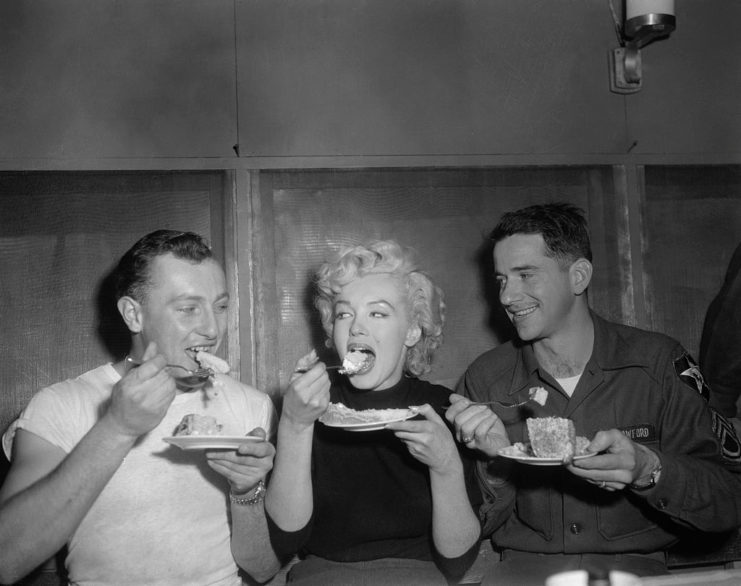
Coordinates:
90	470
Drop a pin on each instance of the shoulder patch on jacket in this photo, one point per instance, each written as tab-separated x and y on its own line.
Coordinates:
689	373
727	437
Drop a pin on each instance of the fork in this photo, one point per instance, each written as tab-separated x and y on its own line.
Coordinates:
503	403
304	369
194	379
537	394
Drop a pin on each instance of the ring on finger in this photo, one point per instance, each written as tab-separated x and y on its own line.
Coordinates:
603	484
465	439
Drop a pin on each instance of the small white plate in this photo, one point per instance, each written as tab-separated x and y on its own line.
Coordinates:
210	442
515	453
371	425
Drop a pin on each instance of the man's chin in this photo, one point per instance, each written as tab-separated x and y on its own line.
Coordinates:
525	334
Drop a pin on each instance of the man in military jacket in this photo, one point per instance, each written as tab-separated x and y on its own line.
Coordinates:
664	462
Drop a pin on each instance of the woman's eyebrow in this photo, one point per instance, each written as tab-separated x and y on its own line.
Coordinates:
373	302
382	302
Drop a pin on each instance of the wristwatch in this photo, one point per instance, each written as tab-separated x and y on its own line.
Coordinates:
253	497
644	483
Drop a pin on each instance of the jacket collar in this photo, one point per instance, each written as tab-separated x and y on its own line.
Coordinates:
611	351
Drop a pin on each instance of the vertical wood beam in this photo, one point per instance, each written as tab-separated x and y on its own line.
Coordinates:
629	190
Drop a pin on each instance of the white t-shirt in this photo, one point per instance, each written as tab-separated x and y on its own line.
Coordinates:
163	518
569	383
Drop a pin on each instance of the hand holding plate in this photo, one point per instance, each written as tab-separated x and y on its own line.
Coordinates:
246	466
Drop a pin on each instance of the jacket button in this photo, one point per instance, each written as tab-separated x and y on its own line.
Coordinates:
662	503
575	528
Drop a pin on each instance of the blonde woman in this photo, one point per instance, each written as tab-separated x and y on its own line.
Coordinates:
389	506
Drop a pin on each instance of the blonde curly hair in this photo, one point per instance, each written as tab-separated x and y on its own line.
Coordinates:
425	299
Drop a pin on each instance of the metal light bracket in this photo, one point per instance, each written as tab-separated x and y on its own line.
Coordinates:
626	71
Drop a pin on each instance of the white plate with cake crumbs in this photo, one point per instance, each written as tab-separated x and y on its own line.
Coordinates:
338	415
521	453
210	442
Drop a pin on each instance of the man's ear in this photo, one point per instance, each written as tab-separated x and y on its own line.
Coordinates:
414	333
581	275
131	312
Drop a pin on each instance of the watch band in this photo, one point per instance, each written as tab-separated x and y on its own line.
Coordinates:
644	483
253	497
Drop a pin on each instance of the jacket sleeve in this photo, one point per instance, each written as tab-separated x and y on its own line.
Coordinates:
722	360
493	475
700	482
720	346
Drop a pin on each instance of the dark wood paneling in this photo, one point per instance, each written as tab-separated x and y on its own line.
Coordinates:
692	225
445	215
424	77
107	79
691	96
61	236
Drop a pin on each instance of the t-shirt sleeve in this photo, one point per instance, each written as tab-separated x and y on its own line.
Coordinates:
50	415
270	419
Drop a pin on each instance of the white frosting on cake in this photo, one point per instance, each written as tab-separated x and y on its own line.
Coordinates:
194	424
339	414
356	361
207	360
539	395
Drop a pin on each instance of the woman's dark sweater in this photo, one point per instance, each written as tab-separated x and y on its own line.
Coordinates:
372	499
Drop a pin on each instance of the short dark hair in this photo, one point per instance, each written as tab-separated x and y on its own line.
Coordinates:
562	226
132	272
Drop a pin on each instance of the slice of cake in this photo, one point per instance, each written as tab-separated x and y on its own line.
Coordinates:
194	424
339	414
552	437
539	395
208	360
357	361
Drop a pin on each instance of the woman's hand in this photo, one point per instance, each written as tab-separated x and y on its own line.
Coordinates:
307	395
455	526
429	441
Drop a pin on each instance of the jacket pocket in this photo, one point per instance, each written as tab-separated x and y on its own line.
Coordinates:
534	510
623	518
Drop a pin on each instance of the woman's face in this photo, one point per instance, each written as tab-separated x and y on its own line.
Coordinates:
372	313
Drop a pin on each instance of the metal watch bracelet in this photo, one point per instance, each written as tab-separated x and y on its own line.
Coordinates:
653	478
255	496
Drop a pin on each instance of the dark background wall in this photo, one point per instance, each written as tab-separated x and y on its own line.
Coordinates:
277	125
282	129
332	82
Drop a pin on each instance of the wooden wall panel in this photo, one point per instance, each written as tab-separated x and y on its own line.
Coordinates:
691	84
692	225
60	235
106	79
445	216
426	78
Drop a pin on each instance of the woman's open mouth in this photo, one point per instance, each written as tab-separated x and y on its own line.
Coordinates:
358	360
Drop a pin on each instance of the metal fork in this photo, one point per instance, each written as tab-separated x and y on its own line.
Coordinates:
337	367
503	403
194	379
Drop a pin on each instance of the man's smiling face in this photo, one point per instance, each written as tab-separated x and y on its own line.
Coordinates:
534	288
184	308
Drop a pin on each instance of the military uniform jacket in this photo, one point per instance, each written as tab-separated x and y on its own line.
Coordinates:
644	384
